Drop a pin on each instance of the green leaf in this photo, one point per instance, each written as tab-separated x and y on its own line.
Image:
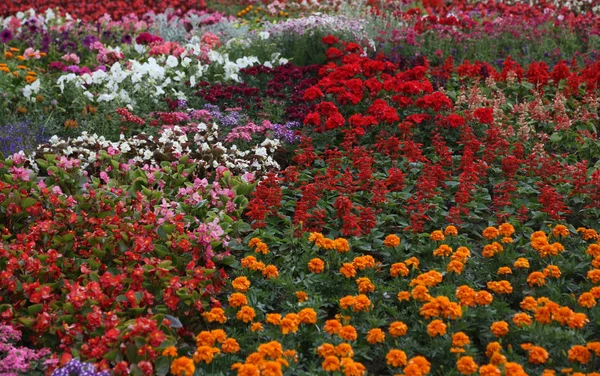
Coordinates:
28	202
35	309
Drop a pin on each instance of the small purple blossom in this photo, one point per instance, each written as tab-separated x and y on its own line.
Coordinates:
6	36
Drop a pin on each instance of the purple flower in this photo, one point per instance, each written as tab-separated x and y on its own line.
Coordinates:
6	36
127	39
89	40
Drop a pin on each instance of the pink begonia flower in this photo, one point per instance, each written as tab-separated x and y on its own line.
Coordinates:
20	173
31	53
104	177
71	58
248	177
18	158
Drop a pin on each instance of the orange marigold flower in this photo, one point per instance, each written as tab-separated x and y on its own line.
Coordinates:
548	372
170	351
365	285
348	333
307	316
589	234
316	265
205	338
457	350
347	301
273	318
513	369
483	298
504	270
436	328
529	303
492	348
552	271
246	314
272	368
413	261
405	295
521	263
375	335
466	365
314	236
397	269
460	339
491	233
499	328
560	230
246	369
262	248
398	329
230	346
579	354
466	295
450	231
237	300
595	291
352	368
253	242
332	326
219	335
391	241
537	355
241	284
301	296
437	236
183	366
341	245
215	314
396	358
363	262
536	279
325	350
362	303
594	346
506	229
421	293
421	363
205	354
586	300
489	370
344	350
289	324
331	363
522	319
270	271
500	287
461	254
594	275
348	270
443	250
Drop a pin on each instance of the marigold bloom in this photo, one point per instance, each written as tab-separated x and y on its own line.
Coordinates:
361	303
183	366
365	285
205	338
491	233
391	241
405	295
215	314
552	271
398	329
513	369
461	254
397	269
230	346
586	300
594	275
271	349
348	270
289	324
247	370
466	295
272	368
241	284
348	333
499	328
420	293
307	316
253	242
352	368
492	348
363	262
237	300
506	229
261	248
332	326
437	236
205	354
421	363
504	270
483	298
444	250
529	303
316	265
325	350
331	363
170	351
347	301
219	335
489	370
301	296
500	287
450	231
413	261
341	245
249	262
246	314
455	266
536	279
522	319
396	358
375	335
344	350
560	230
460	339
466	365
436	328
521	263
537	355
270	271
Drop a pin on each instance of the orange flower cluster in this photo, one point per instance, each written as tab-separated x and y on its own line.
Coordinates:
357	303
341	245
269	359
339	358
539	242
259	246
442	307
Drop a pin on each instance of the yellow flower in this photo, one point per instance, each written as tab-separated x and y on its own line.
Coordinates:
183	366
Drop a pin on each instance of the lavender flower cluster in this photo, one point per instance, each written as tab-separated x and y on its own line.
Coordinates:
286	132
23	135
76	368
229	119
